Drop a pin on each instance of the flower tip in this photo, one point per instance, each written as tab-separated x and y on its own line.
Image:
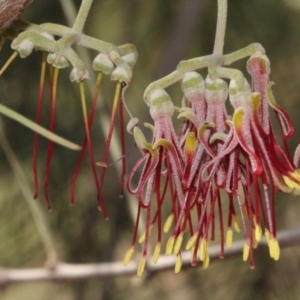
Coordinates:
141	267
246	251
170	245
206	262
156	253
128	256
274	249
178	243
168	223
293	181
229	236
258	233
178	264
191	242
203	250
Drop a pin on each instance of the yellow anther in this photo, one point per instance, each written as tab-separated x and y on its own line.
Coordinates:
229	235
178	243
190	144
236	224
156	253
258	233
246	251
274	249
178	264
141	267
205	262
191	242
170	245
128	256
296	174
143	236
168	223
291	183
203	249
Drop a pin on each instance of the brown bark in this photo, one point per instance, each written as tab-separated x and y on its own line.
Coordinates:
11	9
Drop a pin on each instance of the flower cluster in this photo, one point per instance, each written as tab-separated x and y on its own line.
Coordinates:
218	171
57	45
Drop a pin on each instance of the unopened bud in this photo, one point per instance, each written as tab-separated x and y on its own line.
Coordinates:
160	104
130	59
24	48
103	64
193	86
58	61
79	75
237	98
122	74
216	91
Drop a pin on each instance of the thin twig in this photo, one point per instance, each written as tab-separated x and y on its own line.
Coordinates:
71	272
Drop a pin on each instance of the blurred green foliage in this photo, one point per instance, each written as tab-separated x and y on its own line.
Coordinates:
164	32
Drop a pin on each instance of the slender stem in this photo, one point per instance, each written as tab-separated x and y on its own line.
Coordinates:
82	15
221	27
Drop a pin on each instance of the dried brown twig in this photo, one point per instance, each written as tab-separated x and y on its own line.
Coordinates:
71	272
11	9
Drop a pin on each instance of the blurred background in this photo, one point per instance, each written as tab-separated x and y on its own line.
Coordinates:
164	32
